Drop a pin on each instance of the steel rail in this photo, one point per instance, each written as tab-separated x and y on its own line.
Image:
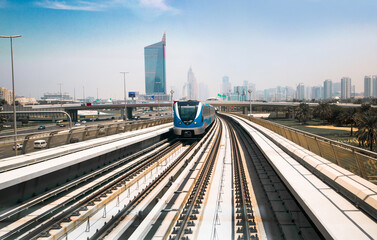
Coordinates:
49	220
17	210
113	222
241	188
200	187
270	188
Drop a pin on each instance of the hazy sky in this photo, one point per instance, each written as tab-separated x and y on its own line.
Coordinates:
267	42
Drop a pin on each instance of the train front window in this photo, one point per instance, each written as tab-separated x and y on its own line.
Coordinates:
187	111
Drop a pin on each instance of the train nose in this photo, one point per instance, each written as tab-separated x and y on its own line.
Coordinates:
187	133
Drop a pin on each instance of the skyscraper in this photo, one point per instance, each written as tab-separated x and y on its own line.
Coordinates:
192	86
327	88
374	86
316	93
226	86
367	86
155	73
300	91
345	88
203	91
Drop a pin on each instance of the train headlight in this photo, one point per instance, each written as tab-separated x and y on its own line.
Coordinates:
195	123
180	123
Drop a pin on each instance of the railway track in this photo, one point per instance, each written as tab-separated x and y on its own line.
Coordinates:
282	216
75	195
193	203
164	192
243	216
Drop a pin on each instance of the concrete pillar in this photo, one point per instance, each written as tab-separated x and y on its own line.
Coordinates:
122	112
244	110
73	114
129	112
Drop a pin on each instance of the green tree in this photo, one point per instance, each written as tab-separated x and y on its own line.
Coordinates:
367	128
348	117
364	108
303	112
323	111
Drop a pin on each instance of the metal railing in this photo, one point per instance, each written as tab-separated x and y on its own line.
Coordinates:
65	136
356	160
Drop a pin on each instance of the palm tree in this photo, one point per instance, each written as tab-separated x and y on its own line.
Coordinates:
323	111
348	117
367	128
303	112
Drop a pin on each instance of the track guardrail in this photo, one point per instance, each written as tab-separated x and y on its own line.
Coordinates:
61	137
356	160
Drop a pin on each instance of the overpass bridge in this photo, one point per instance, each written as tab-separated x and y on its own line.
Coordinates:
226	106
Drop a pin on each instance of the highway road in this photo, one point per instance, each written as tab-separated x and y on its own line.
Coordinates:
6	141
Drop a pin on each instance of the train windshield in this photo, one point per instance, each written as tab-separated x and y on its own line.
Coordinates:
187	110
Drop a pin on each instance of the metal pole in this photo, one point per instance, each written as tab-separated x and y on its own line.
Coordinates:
61	96
13	90
125	96
14	100
172	106
250	91
83	94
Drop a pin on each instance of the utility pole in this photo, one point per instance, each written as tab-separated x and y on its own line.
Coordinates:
13	91
172	106
125	95
61	96
83	94
250	91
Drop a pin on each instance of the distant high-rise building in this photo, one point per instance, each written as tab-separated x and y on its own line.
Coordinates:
316	93
327	89
56	96
226	86
155	73
240	93
374	86
308	92
336	89
253	89
203	91
345	88
367	86
192	86
300	91
6	94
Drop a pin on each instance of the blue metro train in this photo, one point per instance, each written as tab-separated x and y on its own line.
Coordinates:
192	118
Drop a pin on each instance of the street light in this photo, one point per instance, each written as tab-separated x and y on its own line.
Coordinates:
14	98
125	95
250	91
61	96
172	106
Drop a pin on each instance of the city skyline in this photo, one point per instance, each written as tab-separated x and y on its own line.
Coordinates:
79	43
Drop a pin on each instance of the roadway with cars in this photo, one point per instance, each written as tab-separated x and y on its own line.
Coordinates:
6	141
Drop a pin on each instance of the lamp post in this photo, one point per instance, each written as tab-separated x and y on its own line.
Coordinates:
172	106
125	96
13	95
61	96
250	91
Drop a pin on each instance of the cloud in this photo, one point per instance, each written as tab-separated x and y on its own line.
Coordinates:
72	5
158	4
101	5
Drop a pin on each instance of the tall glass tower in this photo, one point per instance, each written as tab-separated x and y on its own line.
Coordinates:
155	73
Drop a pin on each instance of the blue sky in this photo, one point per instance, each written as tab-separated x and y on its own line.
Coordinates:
267	42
